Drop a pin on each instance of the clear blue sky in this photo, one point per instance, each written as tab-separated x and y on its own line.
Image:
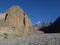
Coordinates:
37	10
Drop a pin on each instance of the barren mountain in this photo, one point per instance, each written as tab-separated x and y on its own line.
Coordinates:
53	28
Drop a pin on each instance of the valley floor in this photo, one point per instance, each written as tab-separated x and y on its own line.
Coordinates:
43	39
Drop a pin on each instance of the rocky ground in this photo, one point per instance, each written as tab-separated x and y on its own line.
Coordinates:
43	39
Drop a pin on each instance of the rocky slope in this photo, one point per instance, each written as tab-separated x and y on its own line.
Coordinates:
53	28
39	25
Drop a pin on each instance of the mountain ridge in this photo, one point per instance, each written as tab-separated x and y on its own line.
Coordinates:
53	28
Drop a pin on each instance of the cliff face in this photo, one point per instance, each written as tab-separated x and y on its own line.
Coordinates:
15	21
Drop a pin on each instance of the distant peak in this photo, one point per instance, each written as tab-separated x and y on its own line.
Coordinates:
39	22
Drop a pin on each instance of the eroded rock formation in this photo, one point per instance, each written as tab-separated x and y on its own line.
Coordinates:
15	21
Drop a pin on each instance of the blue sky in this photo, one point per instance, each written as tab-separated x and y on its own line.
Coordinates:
37	10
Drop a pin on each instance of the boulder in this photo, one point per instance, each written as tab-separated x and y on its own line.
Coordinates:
16	20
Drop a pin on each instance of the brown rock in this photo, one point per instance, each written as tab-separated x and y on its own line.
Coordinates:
16	19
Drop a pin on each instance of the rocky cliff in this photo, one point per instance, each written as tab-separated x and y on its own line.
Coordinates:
15	21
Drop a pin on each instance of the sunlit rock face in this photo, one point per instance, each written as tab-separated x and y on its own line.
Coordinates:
15	21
